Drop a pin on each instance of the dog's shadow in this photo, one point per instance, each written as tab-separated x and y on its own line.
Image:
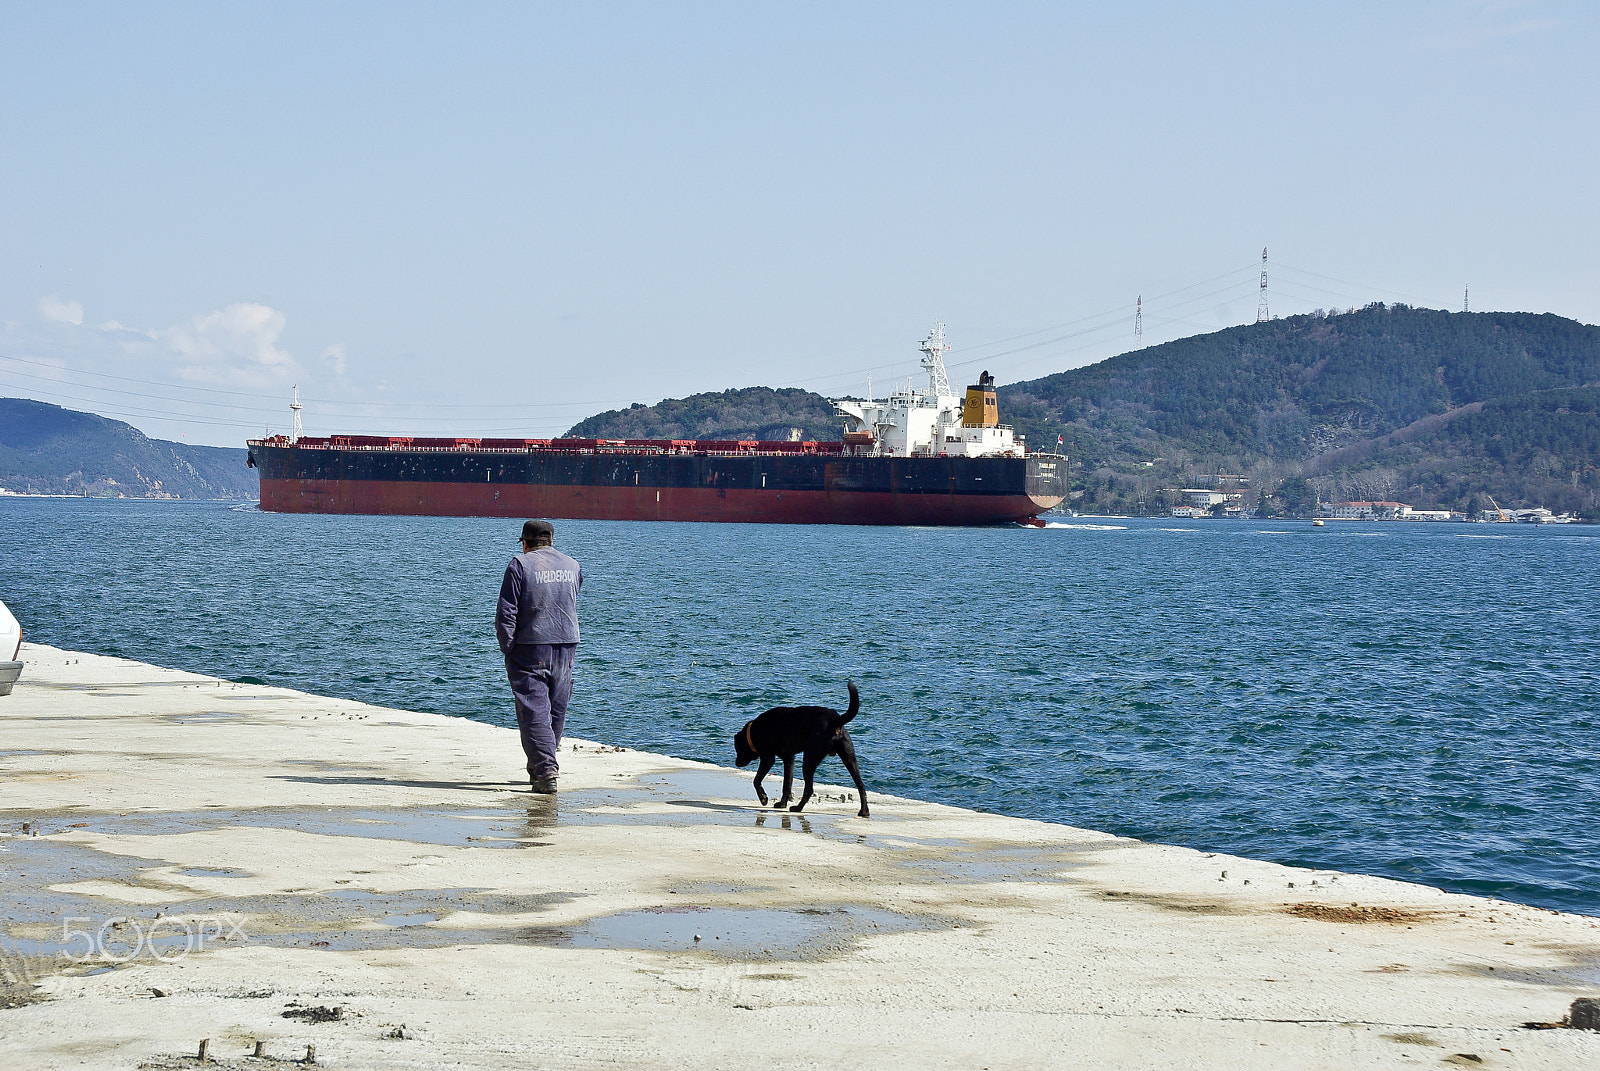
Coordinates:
785	819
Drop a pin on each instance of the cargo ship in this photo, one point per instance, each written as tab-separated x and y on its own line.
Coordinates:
918	457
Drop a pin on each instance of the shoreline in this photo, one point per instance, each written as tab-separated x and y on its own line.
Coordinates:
379	884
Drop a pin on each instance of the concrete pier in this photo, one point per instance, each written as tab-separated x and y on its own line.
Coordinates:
194	864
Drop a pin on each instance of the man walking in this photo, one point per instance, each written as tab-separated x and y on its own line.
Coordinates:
536	623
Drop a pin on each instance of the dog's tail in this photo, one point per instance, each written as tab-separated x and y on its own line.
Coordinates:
855	702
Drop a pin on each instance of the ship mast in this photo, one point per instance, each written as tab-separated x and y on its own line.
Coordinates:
935	347
295	407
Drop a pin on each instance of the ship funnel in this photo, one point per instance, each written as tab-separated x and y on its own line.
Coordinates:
982	410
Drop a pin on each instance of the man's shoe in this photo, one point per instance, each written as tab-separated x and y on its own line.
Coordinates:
545	786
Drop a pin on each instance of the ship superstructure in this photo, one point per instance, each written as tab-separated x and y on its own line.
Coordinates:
932	422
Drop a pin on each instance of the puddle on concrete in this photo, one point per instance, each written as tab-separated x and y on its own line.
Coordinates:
498	827
100	932
734	933
419	919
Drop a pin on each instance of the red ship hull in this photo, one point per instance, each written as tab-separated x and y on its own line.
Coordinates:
641	503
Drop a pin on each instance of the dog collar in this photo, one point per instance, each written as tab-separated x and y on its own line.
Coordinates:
750	741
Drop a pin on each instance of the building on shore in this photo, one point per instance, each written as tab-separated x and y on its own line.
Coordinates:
1537	515
1385	511
1363	511
1203	502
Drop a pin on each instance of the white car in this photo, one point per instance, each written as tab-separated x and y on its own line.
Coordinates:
10	646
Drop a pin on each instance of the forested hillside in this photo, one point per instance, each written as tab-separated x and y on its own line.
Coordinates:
750	413
1393	402
45	449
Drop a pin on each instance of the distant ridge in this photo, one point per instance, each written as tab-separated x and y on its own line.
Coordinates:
45	449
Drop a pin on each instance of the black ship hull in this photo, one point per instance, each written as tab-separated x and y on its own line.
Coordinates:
787	483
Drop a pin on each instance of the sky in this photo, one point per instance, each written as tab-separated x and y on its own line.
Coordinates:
498	219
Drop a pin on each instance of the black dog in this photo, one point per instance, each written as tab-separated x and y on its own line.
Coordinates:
787	731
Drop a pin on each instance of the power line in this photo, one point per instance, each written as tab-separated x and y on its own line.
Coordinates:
1117	313
1346	282
146	381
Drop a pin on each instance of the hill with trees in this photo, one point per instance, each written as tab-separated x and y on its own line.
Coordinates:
748	413
1386	402
45	449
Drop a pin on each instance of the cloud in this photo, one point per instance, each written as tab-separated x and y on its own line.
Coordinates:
240	341
238	347
55	310
334	358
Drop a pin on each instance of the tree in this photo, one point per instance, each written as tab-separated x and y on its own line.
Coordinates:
1297	494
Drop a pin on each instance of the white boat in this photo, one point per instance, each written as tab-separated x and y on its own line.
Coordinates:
10	647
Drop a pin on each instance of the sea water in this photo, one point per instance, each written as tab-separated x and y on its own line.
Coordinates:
1417	700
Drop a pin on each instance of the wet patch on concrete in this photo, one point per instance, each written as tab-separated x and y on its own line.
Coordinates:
736	933
54	878
51	926
20	974
496	827
99	942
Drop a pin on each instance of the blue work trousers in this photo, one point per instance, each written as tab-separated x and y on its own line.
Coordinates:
541	682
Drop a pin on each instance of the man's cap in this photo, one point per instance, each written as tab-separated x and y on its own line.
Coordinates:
538	532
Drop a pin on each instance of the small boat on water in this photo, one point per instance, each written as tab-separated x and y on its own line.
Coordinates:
1317	523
